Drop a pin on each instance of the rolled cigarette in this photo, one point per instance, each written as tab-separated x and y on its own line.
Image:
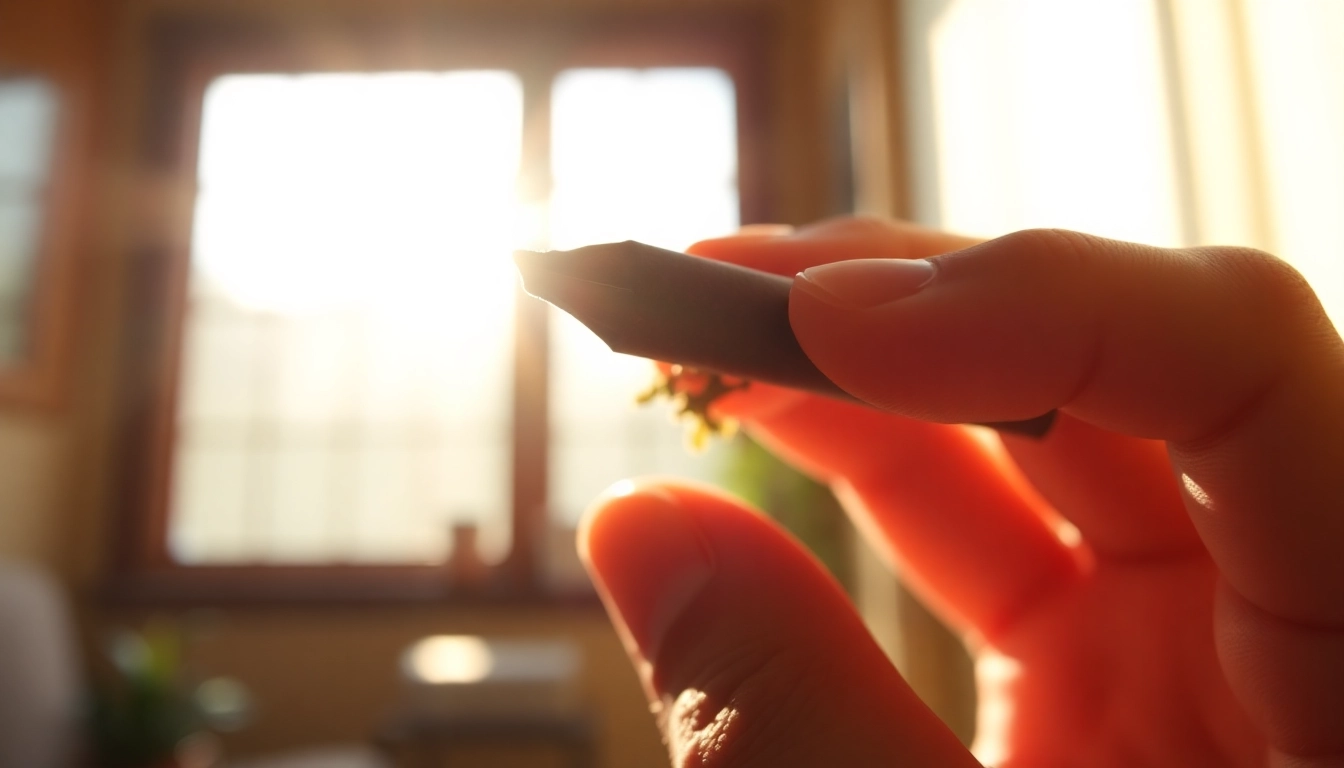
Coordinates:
695	312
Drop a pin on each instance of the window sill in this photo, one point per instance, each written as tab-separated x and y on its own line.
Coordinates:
333	586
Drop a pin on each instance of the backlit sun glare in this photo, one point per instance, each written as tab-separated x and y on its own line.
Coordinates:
387	192
348	353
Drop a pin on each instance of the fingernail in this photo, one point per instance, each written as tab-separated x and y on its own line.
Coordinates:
764	230
648	561
865	283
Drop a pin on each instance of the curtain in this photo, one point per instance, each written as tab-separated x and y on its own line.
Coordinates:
1170	122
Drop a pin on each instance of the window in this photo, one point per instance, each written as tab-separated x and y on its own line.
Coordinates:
629	147
27	122
346	376
361	388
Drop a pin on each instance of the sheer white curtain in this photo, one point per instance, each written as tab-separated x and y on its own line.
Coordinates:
1171	122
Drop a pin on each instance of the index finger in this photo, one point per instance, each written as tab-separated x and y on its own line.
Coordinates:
838	239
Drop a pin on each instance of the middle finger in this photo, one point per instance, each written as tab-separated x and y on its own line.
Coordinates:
968	538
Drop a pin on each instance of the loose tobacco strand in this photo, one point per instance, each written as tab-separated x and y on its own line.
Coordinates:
694	405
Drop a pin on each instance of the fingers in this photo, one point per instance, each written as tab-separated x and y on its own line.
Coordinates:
749	653
1289	678
929	496
936	503
1118	491
1223	353
782	251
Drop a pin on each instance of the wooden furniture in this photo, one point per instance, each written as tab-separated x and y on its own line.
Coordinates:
426	742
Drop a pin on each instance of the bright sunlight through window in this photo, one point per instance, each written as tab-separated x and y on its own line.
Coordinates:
27	123
637	155
346	384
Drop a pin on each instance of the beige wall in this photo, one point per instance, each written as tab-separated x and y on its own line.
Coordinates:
30	464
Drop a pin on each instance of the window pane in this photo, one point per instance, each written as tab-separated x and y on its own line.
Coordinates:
643	154
647	155
346	385
27	124
18	250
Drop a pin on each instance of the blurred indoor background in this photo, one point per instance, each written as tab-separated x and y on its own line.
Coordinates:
289	466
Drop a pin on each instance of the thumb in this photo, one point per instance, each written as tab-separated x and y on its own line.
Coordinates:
1145	341
749	653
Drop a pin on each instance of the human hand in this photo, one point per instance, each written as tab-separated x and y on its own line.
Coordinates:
1197	616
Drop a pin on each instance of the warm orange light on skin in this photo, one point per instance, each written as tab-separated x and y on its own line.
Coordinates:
1196	493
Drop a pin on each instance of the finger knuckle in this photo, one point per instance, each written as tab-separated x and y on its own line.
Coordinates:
1268	287
1259	268
1028	253
1051	246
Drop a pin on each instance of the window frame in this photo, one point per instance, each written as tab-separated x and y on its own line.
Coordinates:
37	379
185	54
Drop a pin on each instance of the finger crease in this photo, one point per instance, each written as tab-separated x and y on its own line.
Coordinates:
1088	374
1008	618
1158	555
1333	629
1237	416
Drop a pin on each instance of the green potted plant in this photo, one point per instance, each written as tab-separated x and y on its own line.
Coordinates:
144	711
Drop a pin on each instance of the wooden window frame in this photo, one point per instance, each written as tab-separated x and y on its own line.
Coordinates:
37	380
185	54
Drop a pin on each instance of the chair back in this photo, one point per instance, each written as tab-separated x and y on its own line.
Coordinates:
39	680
